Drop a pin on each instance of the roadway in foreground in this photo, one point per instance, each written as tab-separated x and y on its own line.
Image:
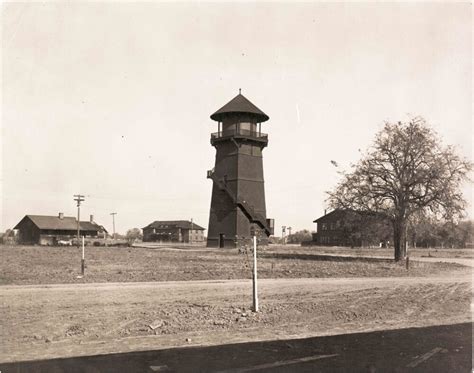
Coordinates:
62	321
444	348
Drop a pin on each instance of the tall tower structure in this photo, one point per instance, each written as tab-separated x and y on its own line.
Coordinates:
238	195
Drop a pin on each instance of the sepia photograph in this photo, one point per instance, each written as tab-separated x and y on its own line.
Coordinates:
236	186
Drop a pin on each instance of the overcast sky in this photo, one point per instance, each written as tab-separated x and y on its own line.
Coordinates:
112	100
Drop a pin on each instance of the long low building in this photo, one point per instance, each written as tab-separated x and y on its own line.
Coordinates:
351	228
49	230
173	231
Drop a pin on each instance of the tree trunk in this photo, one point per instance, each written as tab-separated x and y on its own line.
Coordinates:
399	239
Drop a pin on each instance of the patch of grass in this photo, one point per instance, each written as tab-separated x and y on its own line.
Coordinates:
47	265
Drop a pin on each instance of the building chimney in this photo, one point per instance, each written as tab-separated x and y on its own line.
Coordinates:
324	211
92	218
61	215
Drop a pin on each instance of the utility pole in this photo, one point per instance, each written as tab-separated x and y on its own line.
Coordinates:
289	231
113	223
283	231
78	198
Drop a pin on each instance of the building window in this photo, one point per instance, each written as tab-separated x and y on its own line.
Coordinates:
324	226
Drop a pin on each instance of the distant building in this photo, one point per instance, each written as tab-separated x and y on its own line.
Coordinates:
48	230
351	228
173	231
9	237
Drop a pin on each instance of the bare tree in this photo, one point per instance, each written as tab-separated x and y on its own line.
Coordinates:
407	170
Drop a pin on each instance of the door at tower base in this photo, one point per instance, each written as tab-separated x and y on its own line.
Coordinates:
238	196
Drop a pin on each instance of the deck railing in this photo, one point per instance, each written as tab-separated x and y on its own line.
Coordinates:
239	133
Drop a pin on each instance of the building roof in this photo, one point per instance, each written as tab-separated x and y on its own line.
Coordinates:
344	212
55	223
91	226
325	216
165	224
239	104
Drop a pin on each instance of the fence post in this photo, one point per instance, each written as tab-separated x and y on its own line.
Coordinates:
255	291
83	262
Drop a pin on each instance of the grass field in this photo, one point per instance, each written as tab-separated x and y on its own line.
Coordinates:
48	265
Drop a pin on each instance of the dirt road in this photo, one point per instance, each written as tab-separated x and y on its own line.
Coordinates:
48	321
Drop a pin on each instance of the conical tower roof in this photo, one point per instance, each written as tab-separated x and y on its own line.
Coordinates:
239	104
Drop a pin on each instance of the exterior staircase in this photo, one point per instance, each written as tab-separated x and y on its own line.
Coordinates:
245	207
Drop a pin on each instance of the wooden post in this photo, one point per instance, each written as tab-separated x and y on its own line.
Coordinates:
407	258
255	292
406	247
83	262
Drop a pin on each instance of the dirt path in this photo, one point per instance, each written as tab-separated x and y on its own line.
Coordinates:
47	321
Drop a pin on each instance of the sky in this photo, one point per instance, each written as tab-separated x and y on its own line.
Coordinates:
112	100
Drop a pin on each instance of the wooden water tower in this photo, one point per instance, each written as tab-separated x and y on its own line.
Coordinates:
238	195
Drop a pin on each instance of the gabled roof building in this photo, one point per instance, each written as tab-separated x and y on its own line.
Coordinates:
173	231
48	230
351	228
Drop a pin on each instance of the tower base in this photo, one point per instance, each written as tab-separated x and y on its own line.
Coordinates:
223	243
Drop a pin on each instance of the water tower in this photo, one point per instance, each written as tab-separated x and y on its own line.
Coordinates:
238	195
